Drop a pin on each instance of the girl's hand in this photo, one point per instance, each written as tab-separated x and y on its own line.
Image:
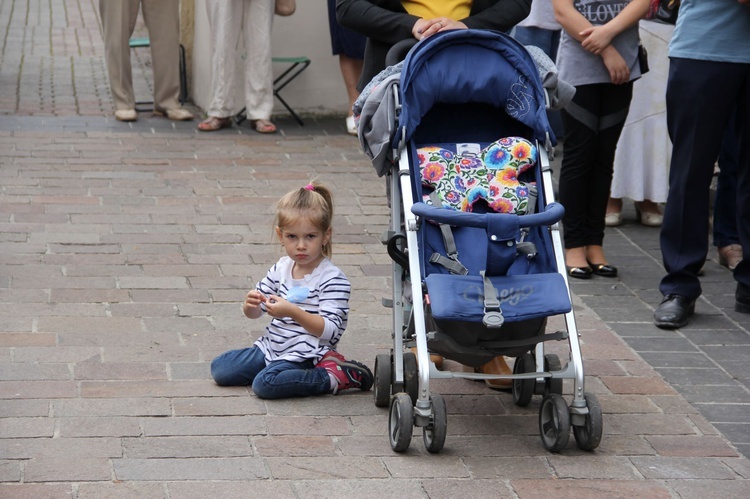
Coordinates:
597	38
619	72
251	307
277	307
427	27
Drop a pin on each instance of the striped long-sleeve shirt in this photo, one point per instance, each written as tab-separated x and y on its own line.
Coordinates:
324	292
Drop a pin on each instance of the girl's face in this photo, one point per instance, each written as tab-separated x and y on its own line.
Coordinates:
303	243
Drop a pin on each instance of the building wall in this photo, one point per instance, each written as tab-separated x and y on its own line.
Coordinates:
319	90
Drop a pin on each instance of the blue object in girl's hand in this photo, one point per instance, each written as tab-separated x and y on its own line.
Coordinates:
297	294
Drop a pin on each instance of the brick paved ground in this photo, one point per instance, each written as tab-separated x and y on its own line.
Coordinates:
52	59
126	249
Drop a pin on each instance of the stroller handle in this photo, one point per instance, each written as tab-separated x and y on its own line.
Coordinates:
397	52
552	214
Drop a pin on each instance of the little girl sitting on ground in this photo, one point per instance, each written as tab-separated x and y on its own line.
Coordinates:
307	297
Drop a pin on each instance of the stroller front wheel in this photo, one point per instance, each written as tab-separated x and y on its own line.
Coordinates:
434	434
554	422
589	435
400	422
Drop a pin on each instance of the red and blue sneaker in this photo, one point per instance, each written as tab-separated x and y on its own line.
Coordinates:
348	373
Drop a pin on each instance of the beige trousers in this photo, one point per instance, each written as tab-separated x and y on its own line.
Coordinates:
253	20
162	18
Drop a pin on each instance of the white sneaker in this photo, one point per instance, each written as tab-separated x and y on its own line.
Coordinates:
126	115
351	126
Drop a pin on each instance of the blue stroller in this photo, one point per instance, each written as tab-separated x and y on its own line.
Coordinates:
461	135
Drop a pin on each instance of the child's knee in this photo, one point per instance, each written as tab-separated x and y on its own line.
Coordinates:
262	388
222	374
267	385
218	374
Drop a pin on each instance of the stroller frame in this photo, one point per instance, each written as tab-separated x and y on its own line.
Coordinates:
402	379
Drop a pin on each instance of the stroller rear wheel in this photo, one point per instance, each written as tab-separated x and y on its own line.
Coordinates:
411	376
523	389
434	433
554	422
383	379
553	385
400	422
589	434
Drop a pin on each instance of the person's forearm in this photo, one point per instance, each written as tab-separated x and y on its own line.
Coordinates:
312	323
570	19
253	313
574	23
375	22
631	14
502	16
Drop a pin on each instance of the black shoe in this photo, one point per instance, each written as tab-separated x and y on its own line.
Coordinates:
603	269
580	272
742	298
673	312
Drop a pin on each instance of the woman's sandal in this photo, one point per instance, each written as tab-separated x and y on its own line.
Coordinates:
213	123
263	126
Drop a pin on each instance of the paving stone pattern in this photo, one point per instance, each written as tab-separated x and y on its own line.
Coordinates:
126	250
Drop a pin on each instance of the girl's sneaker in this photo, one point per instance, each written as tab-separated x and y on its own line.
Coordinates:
348	373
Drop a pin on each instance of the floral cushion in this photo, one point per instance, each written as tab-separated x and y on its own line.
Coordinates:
462	180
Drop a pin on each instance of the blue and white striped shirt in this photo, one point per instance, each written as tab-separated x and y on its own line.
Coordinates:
324	292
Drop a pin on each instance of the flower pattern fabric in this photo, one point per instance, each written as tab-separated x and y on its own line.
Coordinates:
462	180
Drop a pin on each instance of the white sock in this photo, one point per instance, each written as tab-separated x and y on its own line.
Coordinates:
334	382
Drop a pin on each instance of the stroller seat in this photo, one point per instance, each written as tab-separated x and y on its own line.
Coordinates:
472	311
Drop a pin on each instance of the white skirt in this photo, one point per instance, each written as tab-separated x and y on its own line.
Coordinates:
643	153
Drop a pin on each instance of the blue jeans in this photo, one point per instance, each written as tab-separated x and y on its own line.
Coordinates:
725	202
279	379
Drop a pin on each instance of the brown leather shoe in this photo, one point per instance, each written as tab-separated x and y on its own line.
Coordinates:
497	366
730	256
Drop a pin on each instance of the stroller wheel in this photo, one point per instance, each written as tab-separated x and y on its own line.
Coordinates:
523	389
400	422
553	385
411	376
589	434
554	422
434	433
382	385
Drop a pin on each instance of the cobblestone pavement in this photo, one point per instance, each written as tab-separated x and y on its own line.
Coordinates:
126	250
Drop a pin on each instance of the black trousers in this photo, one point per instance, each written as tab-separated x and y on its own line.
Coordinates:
701	97
593	122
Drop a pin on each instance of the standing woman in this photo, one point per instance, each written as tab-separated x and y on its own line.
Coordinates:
162	19
349	46
387	22
599	56
228	19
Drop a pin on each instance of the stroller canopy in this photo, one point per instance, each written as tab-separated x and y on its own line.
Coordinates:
473	66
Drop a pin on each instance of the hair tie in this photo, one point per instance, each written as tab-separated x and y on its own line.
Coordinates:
310	187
